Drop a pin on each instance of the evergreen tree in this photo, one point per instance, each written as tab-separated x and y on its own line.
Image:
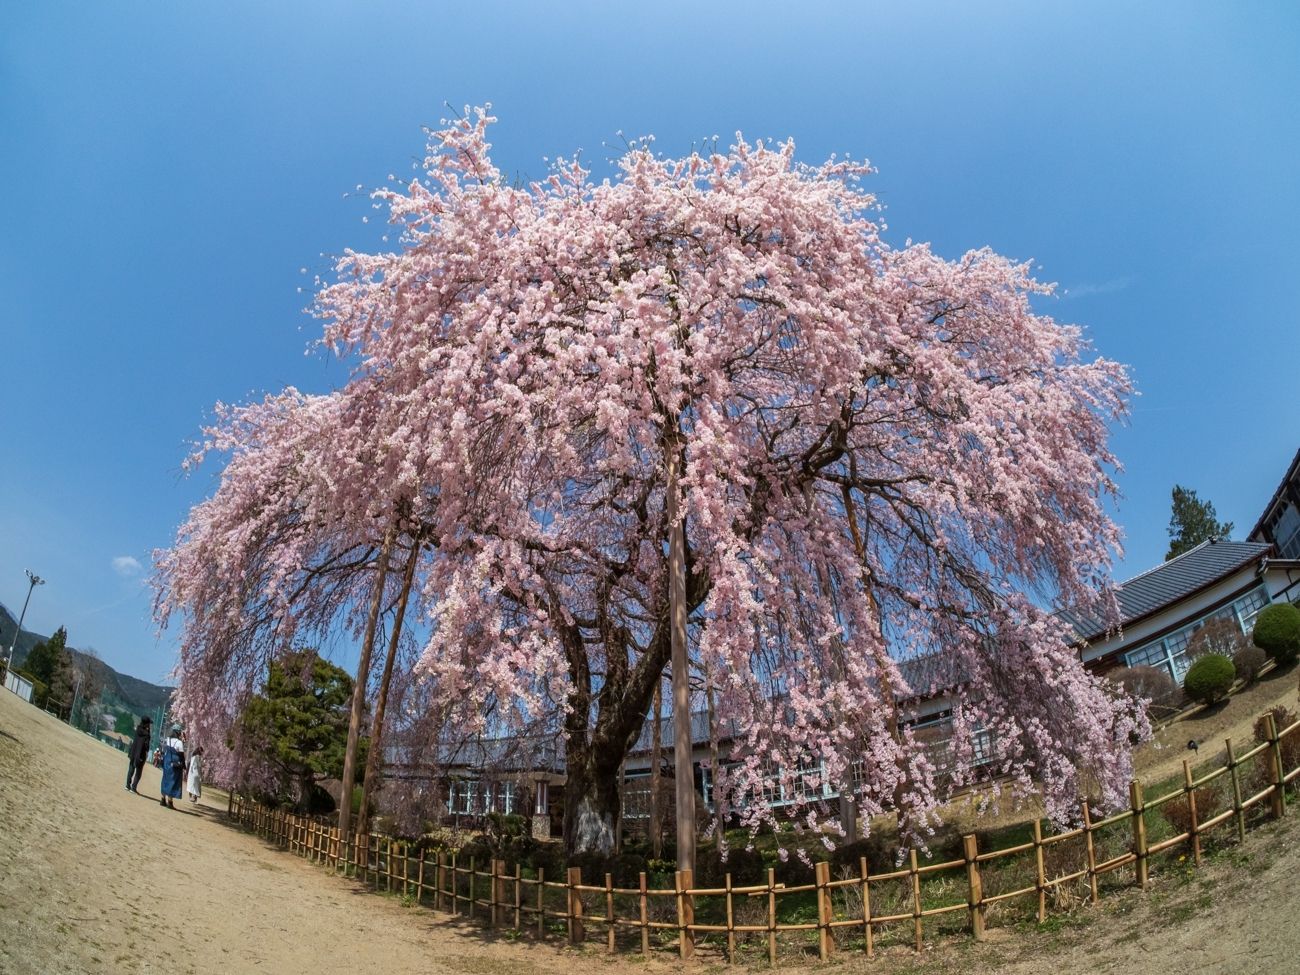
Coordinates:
48	665
298	724
1192	522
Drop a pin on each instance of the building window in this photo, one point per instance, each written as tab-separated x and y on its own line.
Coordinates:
1170	653
464	795
1286	532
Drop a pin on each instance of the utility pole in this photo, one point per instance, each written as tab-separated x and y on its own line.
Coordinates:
683	769
33	580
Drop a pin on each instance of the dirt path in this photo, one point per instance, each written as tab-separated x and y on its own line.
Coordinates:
94	879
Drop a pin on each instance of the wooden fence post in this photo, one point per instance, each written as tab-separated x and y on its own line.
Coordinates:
519	894
822	875
1193	826
1138	803
867	942
1277	798
771	916
497	888
974	884
473	883
1091	848
685	912
1235	778
915	870
609	912
731	925
577	930
541	903
645	915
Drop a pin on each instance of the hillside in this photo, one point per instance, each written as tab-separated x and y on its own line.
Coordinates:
127	692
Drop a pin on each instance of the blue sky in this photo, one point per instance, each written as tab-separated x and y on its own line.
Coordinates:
169	168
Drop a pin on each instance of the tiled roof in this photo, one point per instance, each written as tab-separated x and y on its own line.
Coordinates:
1172	581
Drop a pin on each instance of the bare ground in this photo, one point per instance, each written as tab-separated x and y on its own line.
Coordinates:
94	879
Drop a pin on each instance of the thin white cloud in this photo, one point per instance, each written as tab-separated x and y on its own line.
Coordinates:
128	567
1104	288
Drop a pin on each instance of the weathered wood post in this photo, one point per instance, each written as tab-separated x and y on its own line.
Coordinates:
1235	777
825	939
1193	826
1277	796
974	885
1138	803
498	891
609	912
685	880
644	914
915	870
1091	848
867	941
771	917
577	929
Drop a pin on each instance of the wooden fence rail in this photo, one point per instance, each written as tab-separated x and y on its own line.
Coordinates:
502	895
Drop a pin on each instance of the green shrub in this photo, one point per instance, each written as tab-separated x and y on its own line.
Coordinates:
1249	661
746	867
1277	632
1210	678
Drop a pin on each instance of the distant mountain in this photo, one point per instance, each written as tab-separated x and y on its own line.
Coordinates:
127	692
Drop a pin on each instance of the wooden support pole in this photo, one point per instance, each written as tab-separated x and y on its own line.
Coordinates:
473	884
1138	803
1193	826
915	871
771	917
1277	795
1091	847
609	912
497	888
519	894
867	941
825	940
541	903
577	929
1235	777
419	878
731	924
644	915
1040	872
439	882
455	886
974	885
685	911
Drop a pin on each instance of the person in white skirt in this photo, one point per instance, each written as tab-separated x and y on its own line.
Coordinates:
195	785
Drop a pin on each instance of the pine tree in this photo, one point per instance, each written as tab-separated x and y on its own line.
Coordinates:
48	664
1192	522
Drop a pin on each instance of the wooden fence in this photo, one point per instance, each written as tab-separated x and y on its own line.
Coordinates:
964	893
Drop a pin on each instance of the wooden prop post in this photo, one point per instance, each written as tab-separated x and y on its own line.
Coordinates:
1138	804
974	885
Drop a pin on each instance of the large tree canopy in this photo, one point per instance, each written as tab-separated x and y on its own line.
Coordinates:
884	455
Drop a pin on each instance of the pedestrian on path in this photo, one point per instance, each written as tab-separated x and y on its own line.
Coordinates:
138	753
194	786
173	768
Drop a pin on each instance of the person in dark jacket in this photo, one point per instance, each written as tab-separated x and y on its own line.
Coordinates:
138	753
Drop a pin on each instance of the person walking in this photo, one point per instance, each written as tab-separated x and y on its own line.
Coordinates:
138	753
194	786
173	768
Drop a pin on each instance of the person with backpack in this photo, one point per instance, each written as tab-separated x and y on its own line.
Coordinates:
138	753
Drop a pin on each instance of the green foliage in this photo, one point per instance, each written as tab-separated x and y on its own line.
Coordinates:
1210	678
298	724
1192	521
50	665
745	866
1277	631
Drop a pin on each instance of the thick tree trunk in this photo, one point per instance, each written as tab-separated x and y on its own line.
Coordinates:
374	757
359	694
590	803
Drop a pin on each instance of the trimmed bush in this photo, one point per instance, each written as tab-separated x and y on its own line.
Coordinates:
1249	661
1152	684
1277	632
1210	678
